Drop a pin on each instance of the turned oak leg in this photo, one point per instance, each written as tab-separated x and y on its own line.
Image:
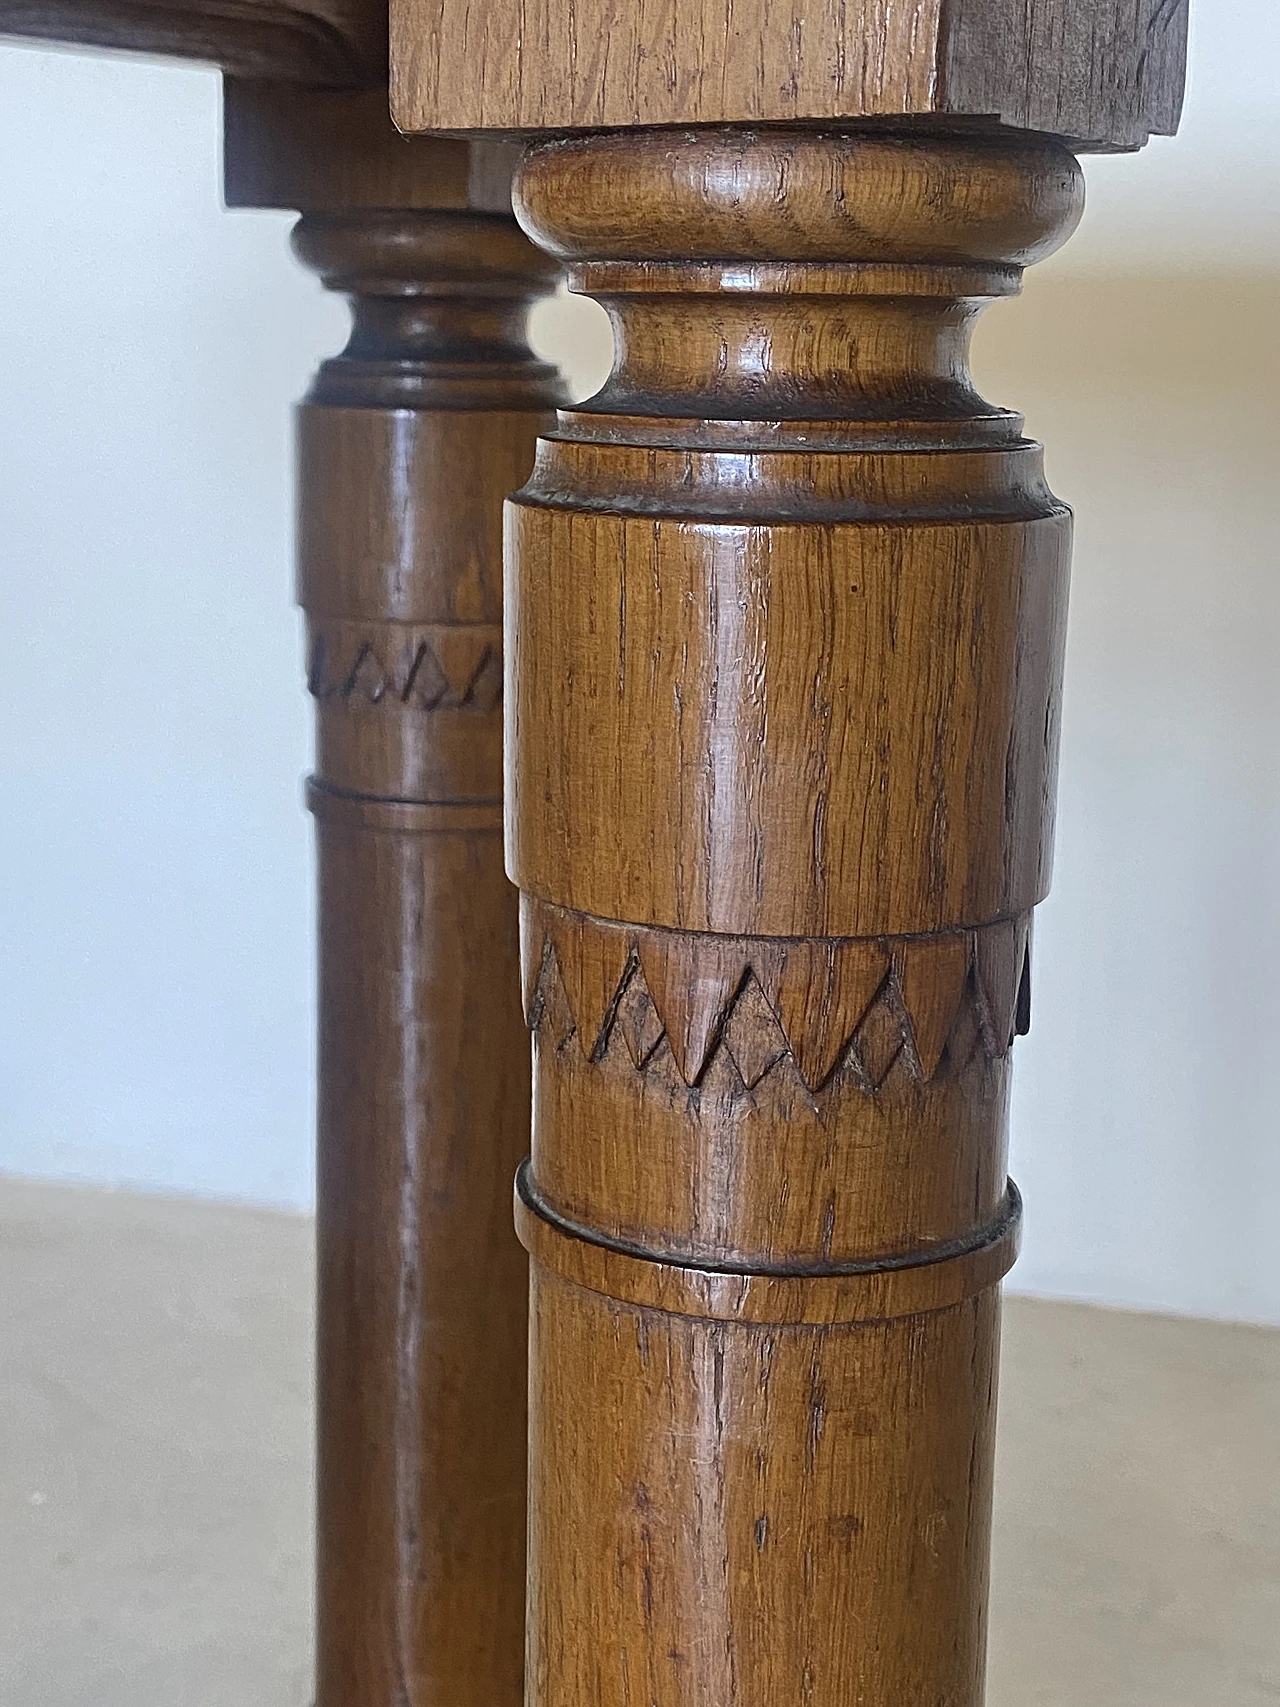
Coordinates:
407	444
785	625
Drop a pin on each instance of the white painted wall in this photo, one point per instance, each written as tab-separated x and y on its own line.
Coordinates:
154	904
155	969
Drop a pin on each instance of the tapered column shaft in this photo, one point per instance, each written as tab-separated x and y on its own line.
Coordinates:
785	620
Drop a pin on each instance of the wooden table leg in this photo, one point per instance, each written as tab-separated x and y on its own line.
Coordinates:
785	627
408	442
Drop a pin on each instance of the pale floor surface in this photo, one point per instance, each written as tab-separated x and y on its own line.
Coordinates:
155	1439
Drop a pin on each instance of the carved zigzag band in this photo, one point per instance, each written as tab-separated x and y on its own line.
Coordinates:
438	668
861	1003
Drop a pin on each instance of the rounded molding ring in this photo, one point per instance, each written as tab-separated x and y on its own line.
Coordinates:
919	1283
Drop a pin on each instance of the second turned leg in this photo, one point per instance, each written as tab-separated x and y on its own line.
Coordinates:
423	1062
407	444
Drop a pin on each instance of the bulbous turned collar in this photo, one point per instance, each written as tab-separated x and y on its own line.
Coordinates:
410	252
795	196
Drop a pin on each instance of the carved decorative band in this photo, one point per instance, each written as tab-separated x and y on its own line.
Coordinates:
918	1283
403	817
436	668
826	1005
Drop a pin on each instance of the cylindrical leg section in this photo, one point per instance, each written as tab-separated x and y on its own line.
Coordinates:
423	1115
774	1513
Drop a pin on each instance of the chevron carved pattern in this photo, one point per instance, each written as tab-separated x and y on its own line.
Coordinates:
861	1005
438	668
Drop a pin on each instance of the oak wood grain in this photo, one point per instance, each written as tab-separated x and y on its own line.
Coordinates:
407	442
1106	73
784	608
902	1047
